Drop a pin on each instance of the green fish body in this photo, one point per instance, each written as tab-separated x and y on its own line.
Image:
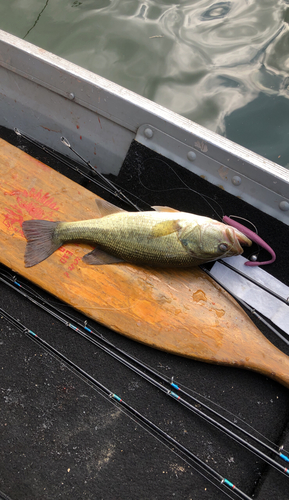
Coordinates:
162	238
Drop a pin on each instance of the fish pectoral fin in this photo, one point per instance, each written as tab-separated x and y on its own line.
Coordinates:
164	209
106	208
165	228
99	258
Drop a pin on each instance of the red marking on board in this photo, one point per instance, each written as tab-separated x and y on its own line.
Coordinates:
33	203
80	137
44	199
13	218
66	255
74	263
99	122
77	126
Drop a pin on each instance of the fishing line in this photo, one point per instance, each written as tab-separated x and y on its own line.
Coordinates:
227	220
186	187
171	393
246	220
147	424
118	193
112	187
256	252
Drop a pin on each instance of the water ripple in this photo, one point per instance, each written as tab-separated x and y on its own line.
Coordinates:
216	11
203	59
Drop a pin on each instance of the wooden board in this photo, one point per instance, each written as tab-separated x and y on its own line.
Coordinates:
180	311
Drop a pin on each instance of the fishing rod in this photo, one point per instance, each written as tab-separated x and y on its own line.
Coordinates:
103	183
131	411
66	319
14	283
119	193
3	496
127	360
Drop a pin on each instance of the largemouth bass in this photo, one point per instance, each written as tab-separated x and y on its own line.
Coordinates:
163	238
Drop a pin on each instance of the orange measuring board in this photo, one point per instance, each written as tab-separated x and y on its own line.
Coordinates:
180	311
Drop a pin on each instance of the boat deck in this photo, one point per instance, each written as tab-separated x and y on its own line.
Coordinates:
63	439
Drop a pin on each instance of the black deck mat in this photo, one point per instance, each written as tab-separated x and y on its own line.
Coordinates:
61	439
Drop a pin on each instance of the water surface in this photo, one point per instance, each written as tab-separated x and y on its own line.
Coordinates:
224	65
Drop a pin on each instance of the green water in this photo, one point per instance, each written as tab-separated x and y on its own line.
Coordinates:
224	65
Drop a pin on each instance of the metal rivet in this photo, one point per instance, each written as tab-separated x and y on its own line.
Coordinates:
71	96
284	205
148	133
253	258
191	155
236	180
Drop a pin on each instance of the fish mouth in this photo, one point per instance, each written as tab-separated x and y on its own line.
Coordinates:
237	239
242	238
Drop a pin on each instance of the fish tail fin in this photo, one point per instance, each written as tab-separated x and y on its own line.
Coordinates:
41	241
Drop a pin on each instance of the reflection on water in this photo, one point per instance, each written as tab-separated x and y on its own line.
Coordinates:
221	64
216	11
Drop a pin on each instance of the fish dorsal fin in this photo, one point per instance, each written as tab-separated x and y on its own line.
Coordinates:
164	209
106	208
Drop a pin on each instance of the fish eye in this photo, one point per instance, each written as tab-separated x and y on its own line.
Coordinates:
223	247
